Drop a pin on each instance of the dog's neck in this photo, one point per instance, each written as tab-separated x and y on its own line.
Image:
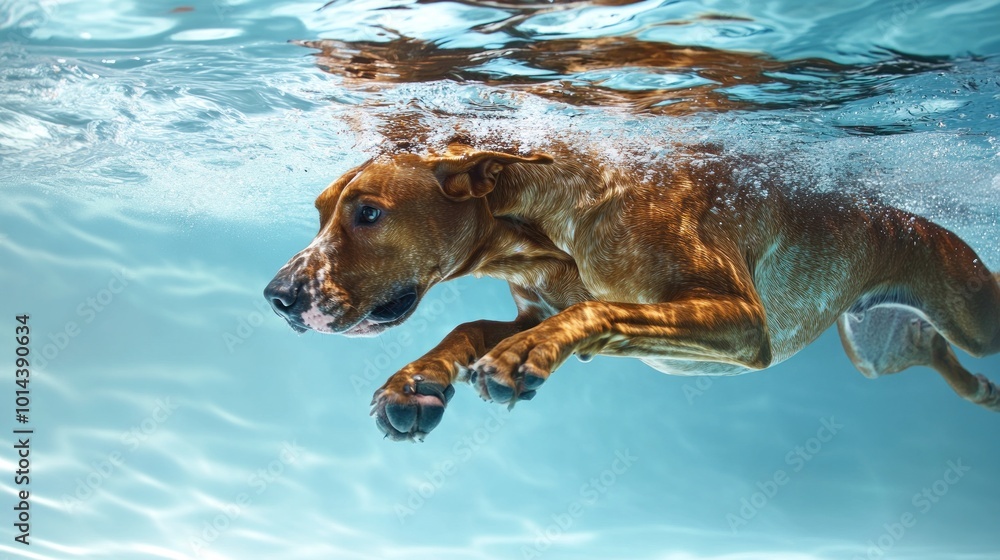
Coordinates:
547	197
532	213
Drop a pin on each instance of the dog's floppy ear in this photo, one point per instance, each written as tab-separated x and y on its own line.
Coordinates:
474	173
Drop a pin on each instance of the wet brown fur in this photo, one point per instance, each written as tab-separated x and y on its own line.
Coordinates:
680	265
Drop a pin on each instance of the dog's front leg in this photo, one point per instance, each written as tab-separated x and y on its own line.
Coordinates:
412	401
720	329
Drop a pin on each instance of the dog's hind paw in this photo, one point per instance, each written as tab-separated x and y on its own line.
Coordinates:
988	394
407	407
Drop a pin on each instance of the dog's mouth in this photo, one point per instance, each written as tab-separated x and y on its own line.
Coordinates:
308	315
387	315
394	308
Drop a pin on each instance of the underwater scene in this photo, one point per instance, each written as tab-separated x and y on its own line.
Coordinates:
160	162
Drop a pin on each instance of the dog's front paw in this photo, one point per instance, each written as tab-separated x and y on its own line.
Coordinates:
409	406
515	369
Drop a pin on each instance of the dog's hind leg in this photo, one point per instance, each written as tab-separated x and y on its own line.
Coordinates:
931	291
887	339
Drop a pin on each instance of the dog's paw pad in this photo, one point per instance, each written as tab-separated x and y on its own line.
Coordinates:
498	391
401	416
410	412
533	381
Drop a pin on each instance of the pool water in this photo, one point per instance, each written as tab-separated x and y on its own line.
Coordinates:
158	164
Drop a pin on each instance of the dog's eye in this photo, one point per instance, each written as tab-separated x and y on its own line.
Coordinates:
368	215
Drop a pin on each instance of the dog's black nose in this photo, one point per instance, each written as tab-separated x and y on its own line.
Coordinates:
282	295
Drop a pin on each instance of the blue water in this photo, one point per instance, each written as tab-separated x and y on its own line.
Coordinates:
158	165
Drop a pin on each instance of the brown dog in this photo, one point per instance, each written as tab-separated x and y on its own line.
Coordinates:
691	267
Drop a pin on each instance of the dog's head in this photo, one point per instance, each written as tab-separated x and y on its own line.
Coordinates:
388	231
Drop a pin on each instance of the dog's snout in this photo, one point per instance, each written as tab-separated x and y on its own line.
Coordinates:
282	294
